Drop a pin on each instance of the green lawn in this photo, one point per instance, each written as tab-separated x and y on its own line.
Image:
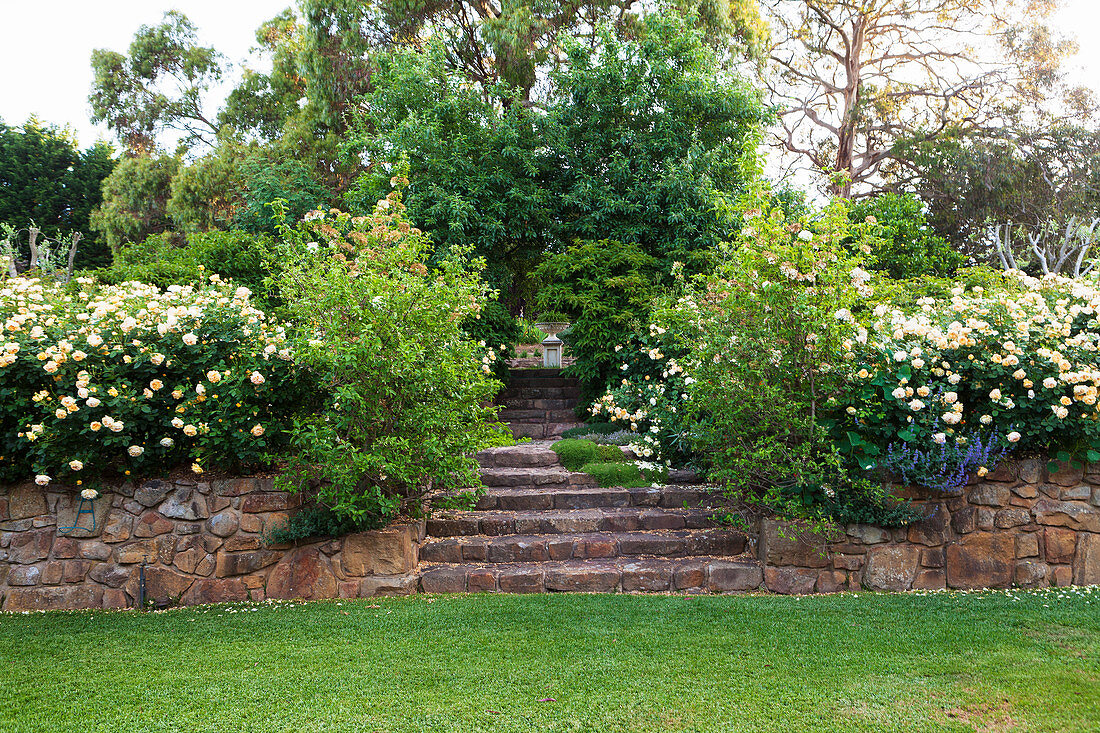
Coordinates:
866	662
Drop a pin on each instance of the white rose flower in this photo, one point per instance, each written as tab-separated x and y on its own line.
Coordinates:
42	479
256	378
1013	437
135	450
190	339
899	393
76	465
89	494
939	438
167	442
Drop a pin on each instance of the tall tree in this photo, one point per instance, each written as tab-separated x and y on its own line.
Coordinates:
158	86
135	200
491	43
46	179
852	78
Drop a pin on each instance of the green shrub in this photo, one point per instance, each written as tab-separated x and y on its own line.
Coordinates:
902	243
495	327
318	522
410	394
605	288
170	259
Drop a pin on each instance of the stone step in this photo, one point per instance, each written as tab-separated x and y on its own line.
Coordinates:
522	455
537	373
539	392
454	523
537	416
681	575
544	548
535	476
526	382
522	403
540	431
539	498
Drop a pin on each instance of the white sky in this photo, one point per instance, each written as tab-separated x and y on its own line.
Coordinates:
45	47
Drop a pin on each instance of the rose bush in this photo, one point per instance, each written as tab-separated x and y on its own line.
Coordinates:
125	379
1018	362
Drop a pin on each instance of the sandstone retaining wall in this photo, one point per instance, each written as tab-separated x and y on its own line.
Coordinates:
202	542
1018	526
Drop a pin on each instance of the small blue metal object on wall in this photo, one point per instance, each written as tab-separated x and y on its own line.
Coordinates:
86	506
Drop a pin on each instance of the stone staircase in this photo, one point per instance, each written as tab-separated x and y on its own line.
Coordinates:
540	527
539	403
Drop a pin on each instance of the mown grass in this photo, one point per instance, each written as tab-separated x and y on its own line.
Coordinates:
1026	661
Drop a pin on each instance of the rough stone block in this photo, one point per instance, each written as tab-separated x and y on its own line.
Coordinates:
1008	518
269	502
783	543
832	581
51	574
55	598
151	493
986	494
251	523
1067	514
847	562
111	575
891	568
99	551
932	557
443	580
117	527
930	579
1031	573
1027	544
151	524
1076	493
985	518
242	542
790	580
25	575
643	576
982	560
389	551
965	520
521	580
1086	561
932	530
481	581
31	546
1060	544
1062	576
691	577
26	500
223	524
1031	470
160	584
583	579
241	563
302	573
389	585
215	590
1026	491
